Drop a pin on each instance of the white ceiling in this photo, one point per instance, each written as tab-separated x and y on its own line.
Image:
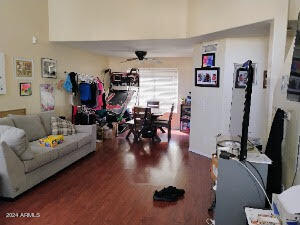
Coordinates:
165	47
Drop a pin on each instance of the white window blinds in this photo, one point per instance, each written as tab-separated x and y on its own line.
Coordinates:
159	84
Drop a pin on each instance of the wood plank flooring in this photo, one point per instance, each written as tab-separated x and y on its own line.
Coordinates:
115	185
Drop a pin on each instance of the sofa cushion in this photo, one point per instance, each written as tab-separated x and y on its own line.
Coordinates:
69	145
82	139
16	139
42	156
31	124
7	122
60	126
46	120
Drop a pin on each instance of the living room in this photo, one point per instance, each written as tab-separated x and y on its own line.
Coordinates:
181	62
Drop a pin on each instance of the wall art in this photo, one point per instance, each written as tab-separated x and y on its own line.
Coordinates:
23	68
25	89
207	77
48	68
47	97
208	60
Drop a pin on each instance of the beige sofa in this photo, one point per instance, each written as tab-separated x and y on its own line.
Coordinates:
17	175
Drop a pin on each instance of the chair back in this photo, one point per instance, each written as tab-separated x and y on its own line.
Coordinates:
171	113
153	104
138	116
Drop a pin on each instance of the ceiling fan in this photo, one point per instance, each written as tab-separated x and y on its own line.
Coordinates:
140	56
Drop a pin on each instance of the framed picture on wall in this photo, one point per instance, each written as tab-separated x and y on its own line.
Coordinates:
23	68
207	77
208	60
240	75
48	68
25	89
241	78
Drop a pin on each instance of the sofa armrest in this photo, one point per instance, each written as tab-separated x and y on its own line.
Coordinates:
90	129
12	173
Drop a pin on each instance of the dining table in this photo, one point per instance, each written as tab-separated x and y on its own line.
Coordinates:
155	114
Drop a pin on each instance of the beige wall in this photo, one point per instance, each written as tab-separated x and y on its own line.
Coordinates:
77	20
90	20
185	73
19	21
211	16
294	7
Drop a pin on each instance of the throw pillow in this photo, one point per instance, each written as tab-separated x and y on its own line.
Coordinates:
46	120
17	140
60	126
31	124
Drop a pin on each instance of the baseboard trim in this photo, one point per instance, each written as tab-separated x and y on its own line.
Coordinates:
200	153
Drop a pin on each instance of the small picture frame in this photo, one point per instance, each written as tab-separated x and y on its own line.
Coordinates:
207	77
208	60
25	89
23	68
241	78
265	81
48	68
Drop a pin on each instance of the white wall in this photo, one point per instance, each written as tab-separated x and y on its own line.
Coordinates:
208	113
239	50
211	106
292	132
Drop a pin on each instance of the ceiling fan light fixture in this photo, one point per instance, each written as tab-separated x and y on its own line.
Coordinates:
140	54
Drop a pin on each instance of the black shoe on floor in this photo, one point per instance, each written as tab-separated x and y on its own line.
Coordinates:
173	190
169	194
164	196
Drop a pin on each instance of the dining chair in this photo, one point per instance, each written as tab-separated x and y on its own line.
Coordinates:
160	124
140	116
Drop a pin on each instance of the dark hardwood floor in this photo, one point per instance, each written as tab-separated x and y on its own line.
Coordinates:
115	185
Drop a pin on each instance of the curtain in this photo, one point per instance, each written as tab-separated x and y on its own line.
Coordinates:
159	84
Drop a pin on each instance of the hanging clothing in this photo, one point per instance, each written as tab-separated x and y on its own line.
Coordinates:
94	94
100	91
104	100
85	92
68	84
273	151
74	82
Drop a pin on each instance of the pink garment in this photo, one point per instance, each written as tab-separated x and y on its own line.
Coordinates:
99	97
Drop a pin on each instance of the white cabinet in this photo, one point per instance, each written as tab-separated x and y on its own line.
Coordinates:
2	75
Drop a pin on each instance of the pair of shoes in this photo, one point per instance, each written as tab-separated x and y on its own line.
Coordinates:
169	194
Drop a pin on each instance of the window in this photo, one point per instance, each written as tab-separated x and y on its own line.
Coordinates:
159	84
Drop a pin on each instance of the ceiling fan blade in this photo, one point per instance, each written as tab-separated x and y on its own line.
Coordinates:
128	60
155	60
132	59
